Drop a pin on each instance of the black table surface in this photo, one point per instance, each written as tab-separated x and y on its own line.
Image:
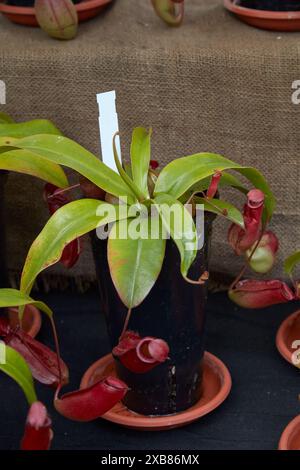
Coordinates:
264	396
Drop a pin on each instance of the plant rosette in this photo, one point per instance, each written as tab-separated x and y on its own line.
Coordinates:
150	225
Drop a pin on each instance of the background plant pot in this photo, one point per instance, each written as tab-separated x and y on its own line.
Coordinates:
271	5
25	15
28	3
290	438
174	311
288	334
282	16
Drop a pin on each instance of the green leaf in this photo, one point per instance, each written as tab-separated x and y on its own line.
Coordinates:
5	118
180	226
69	222
291	262
125	177
16	368
16	298
29	128
219	207
127	168
135	263
63	151
24	161
201	186
178	176
232	181
140	158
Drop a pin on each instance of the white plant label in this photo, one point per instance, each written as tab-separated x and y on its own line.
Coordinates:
108	125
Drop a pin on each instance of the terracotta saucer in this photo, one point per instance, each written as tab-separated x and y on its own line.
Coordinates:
287	335
217	385
26	15
31	320
290	438
265	19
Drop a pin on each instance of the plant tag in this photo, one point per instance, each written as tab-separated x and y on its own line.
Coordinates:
108	125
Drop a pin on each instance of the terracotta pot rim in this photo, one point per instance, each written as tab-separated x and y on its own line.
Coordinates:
288	433
29	11
280	343
262	14
153	423
36	323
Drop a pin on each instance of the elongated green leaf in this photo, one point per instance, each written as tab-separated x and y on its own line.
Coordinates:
66	152
291	262
135	263
223	208
232	181
178	176
16	368
67	223
5	118
140	158
29	128
124	175
24	161
180	225
16	298
127	168
226	180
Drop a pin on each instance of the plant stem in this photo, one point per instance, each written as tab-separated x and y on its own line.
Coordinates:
190	199
202	279
126	323
127	180
57	349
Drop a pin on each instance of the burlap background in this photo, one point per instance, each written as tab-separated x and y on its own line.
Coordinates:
215	84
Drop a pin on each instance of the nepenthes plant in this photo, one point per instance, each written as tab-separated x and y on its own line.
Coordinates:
139	270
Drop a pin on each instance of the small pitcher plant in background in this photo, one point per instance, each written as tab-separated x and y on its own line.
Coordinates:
58	18
170	11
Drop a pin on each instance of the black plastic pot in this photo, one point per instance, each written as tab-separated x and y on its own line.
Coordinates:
174	311
28	3
271	5
3	265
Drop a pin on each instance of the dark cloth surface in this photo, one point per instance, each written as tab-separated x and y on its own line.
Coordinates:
263	400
